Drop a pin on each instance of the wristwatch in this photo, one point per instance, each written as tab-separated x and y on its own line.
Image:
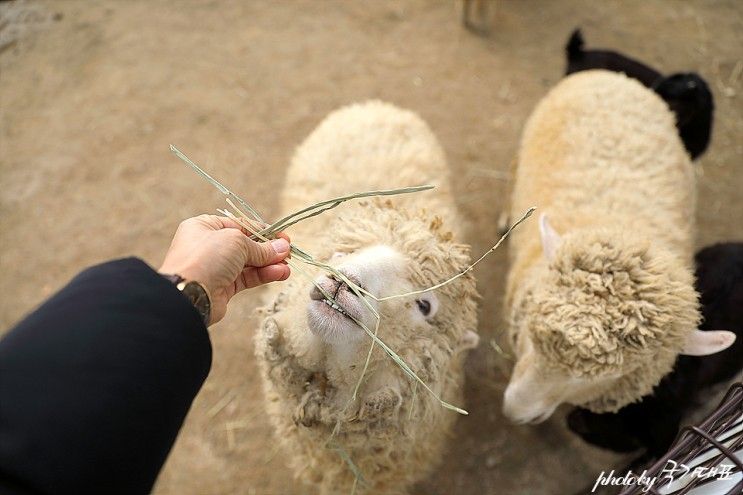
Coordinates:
194	292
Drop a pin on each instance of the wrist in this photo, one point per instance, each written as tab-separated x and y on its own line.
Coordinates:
184	271
196	293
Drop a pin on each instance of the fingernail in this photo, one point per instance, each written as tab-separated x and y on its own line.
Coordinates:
280	246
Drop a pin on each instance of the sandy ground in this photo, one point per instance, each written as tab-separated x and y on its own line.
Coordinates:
92	93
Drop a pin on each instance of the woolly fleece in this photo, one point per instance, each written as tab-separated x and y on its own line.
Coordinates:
394	440
600	156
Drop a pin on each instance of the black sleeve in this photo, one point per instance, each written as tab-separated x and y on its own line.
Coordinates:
96	383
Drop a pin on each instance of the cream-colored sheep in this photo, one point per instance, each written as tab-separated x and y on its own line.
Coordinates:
599	312
312	355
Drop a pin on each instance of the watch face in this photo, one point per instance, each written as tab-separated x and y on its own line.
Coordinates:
196	293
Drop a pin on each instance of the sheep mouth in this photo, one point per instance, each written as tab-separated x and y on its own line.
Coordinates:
343	304
333	308
535	420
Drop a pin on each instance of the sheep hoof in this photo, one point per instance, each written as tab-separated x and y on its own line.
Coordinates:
279	303
308	411
381	405
271	334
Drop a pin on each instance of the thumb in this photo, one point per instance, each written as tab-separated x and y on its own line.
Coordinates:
261	254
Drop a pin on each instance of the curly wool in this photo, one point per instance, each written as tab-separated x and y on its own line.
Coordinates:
434	252
629	313
391	455
601	157
306	391
362	146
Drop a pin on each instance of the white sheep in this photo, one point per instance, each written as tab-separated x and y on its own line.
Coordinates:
599	312
311	354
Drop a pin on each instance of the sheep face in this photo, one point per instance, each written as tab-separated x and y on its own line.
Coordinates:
389	253
386	251
597	323
381	270
537	387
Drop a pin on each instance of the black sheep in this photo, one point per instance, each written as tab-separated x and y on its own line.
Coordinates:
690	99
687	94
581	59
652	424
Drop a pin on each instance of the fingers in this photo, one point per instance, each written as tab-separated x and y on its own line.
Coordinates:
273	273
228	223
253	277
253	253
213	222
216	222
266	253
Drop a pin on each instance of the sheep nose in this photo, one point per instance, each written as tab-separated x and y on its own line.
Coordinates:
331	285
351	278
325	284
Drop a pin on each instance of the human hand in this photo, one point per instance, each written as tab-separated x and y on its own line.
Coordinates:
216	252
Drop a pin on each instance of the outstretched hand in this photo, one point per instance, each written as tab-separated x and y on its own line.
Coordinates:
217	252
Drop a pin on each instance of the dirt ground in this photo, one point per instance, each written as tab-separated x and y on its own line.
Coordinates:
92	94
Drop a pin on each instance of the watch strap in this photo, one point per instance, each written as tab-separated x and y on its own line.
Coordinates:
195	292
175	279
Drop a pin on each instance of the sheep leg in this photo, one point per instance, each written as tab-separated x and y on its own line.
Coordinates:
308	411
381	406
315	406
282	368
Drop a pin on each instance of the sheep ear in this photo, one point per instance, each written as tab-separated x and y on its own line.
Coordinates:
702	343
550	238
470	340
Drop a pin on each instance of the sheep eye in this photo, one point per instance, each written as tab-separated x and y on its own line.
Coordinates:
424	306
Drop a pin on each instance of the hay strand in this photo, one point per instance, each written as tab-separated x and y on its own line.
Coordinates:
220	187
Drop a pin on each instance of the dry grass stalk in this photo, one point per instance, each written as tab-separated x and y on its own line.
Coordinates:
221	404
500	350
